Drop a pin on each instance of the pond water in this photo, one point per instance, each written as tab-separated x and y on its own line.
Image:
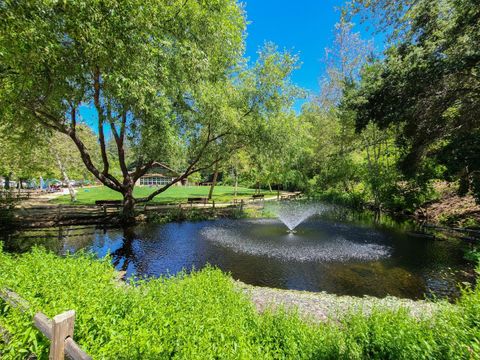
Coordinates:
341	254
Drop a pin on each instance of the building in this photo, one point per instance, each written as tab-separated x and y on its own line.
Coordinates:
158	175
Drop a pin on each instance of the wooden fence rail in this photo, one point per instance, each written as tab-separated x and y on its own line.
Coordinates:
58	330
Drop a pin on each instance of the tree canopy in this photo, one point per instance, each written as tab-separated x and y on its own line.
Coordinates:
428	85
137	63
168	81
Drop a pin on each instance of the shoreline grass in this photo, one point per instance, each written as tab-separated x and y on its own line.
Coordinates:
203	316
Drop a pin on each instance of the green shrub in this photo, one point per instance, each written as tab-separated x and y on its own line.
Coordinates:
473	254
353	200
181	214
204	316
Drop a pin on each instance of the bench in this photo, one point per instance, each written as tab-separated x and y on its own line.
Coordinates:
109	203
197	200
258	196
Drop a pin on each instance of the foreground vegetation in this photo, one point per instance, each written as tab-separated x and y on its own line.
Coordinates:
203	316
175	194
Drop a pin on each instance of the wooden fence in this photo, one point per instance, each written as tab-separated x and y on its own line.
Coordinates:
58	330
48	215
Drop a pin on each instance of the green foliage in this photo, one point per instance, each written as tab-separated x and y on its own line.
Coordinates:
358	169
145	56
427	86
24	154
155	73
182	214
461	156
353	200
473	255
202	315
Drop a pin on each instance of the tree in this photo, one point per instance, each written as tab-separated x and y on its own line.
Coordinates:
246	111
344	62
428	85
140	65
281	162
333	127
67	158
24	152
385	16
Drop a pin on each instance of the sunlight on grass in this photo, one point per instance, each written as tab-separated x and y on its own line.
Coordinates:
175	194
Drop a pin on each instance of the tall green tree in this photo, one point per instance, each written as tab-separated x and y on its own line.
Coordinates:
333	127
23	152
428	86
138	64
247	111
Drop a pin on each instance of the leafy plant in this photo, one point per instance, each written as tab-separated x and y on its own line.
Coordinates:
203	315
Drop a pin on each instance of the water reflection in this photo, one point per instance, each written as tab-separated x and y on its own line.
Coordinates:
337	252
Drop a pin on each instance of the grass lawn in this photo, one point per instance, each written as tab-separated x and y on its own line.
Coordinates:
175	194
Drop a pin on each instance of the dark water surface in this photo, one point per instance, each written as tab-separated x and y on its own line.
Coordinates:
350	256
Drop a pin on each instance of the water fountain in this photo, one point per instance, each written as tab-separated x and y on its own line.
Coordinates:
316	241
293	213
323	250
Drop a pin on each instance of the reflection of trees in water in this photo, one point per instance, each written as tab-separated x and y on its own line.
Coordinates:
75	239
61	240
124	255
58	240
22	241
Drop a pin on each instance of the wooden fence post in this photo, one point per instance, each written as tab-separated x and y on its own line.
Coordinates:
59	212
63	335
62	328
59	330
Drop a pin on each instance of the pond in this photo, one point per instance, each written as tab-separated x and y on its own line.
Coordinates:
336	252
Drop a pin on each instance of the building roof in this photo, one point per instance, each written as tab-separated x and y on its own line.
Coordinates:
155	164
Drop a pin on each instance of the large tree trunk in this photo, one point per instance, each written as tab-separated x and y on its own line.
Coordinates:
71	190
214	181
128	211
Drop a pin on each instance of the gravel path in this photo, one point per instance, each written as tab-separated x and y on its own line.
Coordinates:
323	306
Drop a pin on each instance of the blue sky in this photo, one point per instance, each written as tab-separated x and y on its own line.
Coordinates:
303	27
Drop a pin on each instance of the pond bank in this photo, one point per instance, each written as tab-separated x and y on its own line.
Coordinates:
322	306
53	215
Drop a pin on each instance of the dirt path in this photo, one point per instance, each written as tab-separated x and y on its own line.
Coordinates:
43	199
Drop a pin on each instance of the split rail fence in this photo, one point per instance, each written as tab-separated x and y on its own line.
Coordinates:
58	330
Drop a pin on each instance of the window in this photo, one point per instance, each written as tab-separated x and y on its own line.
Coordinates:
154	181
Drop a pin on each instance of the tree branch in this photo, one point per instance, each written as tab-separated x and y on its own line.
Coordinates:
59	125
101	119
141	170
119	141
191	168
74	117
